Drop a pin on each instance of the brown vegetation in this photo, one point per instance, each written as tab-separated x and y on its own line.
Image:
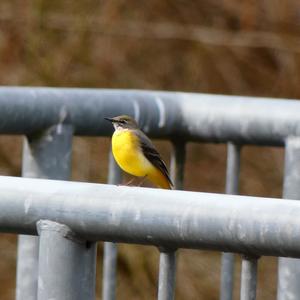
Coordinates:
231	47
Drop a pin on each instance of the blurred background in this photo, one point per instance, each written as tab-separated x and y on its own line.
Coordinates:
227	46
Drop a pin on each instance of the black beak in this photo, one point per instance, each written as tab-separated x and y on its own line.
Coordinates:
110	119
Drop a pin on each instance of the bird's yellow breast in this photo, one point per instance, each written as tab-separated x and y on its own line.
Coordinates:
128	153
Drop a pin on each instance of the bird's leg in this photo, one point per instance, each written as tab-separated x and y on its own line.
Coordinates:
142	181
130	181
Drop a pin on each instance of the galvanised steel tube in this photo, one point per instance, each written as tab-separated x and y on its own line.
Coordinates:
109	280
166	278
45	155
177	163
27	267
172	219
248	278
167	258
171	115
233	169
67	264
289	268
227	276
232	187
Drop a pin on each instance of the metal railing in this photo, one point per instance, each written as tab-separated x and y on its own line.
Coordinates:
71	217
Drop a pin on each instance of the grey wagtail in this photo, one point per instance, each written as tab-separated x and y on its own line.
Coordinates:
135	153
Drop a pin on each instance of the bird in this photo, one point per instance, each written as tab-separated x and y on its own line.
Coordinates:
135	153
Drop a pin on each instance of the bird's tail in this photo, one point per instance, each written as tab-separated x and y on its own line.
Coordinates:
160	180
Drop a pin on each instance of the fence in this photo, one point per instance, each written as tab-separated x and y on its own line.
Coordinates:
71	217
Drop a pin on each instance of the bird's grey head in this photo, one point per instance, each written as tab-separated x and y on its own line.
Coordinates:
123	122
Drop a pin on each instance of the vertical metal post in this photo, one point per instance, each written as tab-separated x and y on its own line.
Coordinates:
166	278
248	278
110	249
227	275
167	259
233	169
46	155
232	187
67	264
177	165
289	268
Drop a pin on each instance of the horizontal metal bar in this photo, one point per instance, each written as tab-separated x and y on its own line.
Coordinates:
168	218
173	115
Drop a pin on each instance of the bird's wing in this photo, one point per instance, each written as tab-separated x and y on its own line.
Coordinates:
152	154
